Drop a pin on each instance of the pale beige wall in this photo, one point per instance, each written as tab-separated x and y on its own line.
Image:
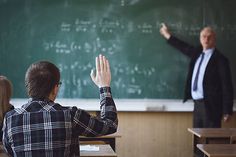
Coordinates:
156	134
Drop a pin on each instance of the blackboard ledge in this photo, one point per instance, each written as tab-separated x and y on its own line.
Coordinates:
126	105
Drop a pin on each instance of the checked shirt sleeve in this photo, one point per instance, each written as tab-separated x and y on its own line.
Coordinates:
5	139
88	125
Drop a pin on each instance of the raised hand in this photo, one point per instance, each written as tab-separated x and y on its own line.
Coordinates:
164	31
102	77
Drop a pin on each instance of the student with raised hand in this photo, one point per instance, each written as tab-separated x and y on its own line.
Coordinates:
5	96
209	81
43	128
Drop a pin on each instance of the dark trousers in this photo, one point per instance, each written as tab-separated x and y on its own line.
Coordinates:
201	120
200	117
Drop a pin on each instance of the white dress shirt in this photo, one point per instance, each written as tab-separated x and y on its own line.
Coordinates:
198	94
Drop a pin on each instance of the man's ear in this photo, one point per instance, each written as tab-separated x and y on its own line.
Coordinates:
56	89
53	94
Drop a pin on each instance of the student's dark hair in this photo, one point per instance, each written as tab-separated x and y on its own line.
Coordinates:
41	77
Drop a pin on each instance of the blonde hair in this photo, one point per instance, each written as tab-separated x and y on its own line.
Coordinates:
209	29
5	95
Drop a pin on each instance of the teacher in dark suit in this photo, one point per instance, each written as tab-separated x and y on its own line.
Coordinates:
209	81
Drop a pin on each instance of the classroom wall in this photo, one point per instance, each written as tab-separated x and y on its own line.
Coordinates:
151	134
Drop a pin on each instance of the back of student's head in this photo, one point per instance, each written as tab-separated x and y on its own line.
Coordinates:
5	96
41	77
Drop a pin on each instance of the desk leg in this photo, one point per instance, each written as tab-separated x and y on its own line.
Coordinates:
221	140
113	144
196	151
197	140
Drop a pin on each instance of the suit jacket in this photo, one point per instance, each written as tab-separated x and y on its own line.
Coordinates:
217	81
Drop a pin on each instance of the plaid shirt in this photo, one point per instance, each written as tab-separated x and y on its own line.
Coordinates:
42	128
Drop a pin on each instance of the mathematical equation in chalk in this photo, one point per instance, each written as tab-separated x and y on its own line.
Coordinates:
124	76
111	26
61	47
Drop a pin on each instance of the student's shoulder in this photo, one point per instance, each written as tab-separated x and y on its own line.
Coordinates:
72	109
12	112
57	106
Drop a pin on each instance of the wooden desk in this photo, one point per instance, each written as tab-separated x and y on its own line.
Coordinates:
91	142
213	132
104	151
108	139
211	136
218	150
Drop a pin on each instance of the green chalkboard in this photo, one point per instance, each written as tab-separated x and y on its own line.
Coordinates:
70	33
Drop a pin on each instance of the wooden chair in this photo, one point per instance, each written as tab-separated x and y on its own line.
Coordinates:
233	139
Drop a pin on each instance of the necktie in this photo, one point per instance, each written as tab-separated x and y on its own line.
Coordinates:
198	70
